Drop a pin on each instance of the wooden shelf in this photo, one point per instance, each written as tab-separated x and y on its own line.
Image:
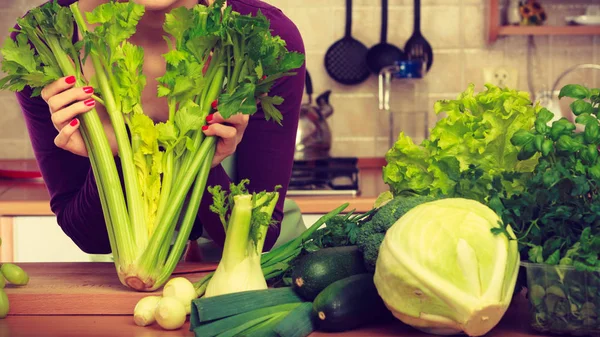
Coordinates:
495	29
549	30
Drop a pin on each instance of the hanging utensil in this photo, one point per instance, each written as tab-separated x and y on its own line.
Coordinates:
417	47
383	54
345	59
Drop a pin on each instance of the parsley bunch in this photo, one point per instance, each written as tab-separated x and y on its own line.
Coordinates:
557	216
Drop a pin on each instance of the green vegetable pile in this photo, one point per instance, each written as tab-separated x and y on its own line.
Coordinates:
539	173
218	59
557	215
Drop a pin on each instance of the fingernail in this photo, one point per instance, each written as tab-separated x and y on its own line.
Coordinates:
74	122
205	127
209	118
70	79
214	104
89	102
88	90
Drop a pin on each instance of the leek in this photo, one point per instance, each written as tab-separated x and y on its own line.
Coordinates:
215	55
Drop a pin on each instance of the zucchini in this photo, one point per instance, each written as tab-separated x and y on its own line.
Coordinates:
314	272
348	303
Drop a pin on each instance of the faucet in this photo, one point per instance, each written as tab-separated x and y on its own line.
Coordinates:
547	98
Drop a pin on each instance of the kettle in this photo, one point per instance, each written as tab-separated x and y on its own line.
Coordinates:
313	139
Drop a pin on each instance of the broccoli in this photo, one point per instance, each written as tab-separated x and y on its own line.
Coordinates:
339	231
371	233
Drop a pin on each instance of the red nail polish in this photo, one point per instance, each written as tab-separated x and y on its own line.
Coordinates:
88	90
89	102
209	118
214	104
205	127
73	122
70	79
264	77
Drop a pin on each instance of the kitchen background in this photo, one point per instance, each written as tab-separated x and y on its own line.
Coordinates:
455	28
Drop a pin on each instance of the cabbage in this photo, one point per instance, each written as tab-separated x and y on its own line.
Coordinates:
441	269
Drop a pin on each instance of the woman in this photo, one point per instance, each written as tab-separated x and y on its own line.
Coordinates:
263	150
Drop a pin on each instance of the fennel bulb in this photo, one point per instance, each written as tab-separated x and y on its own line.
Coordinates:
441	269
245	232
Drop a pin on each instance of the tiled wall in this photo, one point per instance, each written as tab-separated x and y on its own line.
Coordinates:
456	30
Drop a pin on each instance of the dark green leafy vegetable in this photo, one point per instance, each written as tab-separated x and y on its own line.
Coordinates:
339	231
557	216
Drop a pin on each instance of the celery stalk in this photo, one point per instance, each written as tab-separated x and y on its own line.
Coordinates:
188	221
134	201
106	173
150	255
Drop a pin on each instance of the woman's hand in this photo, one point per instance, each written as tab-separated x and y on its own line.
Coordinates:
230	132
66	102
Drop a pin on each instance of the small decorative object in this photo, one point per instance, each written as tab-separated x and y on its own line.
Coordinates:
513	14
532	13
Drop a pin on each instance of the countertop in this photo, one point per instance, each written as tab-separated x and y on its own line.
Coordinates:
29	197
42	308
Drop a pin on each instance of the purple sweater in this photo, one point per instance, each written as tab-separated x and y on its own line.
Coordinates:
265	154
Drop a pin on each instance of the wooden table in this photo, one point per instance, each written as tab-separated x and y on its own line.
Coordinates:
86	299
514	324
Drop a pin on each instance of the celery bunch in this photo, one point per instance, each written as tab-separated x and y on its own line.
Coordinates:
216	55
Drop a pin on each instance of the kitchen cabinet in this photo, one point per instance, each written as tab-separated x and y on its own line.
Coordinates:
40	239
495	28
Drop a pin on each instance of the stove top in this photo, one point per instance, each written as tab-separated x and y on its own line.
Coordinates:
329	176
